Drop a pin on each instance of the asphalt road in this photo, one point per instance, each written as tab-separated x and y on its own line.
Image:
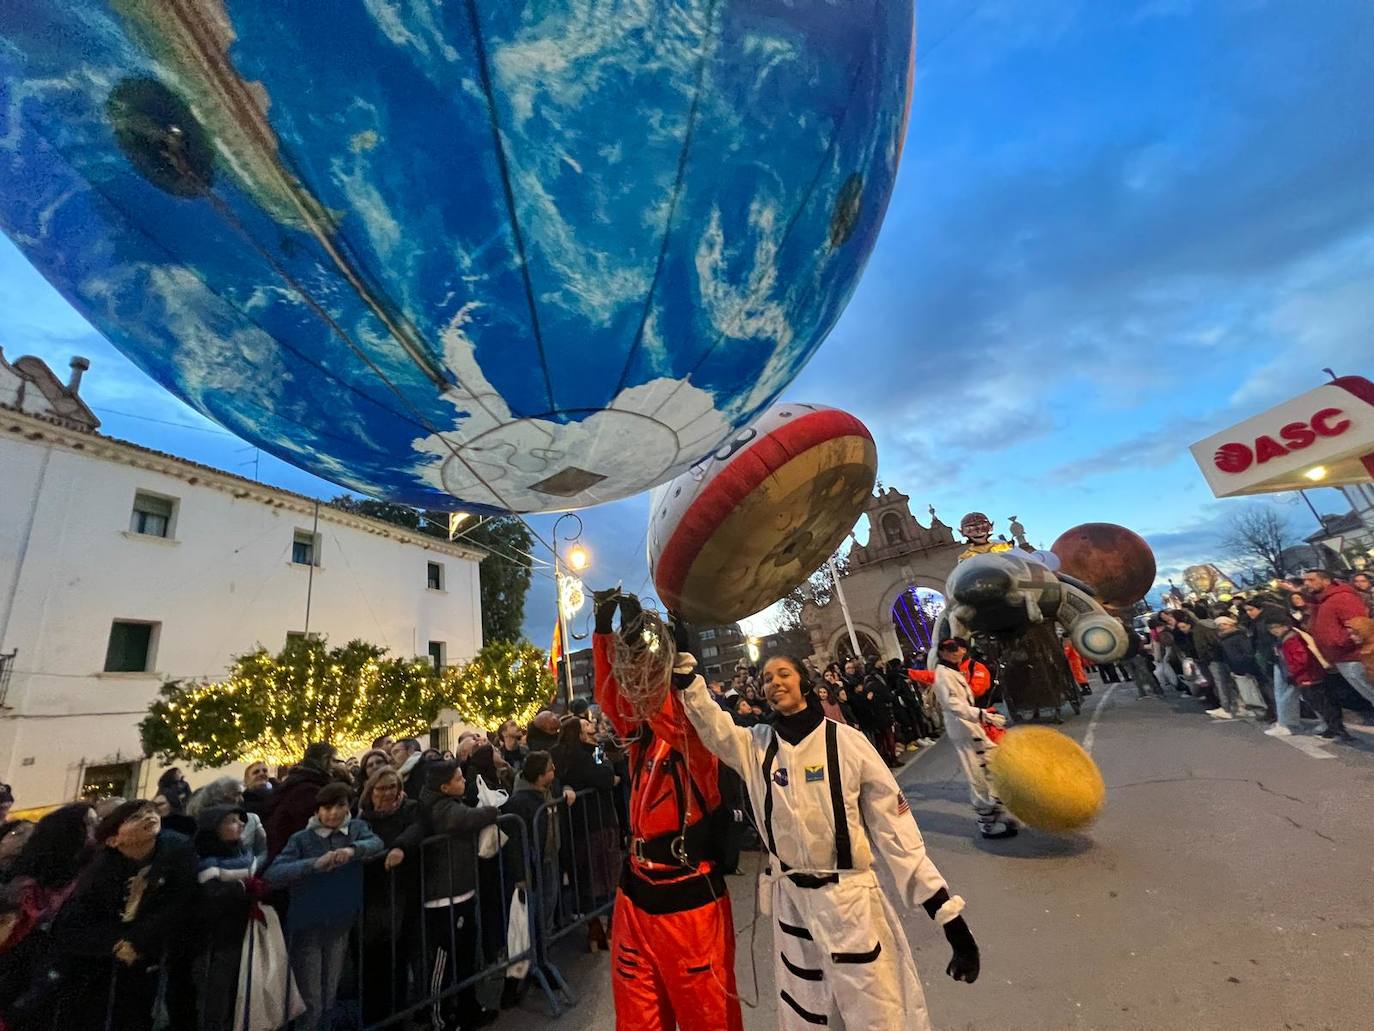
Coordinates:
1229	884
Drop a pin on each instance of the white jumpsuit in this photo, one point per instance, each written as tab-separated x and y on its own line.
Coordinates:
842	959
967	730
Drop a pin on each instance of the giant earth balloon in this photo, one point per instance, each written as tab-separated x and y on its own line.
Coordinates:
490	254
755	518
1117	562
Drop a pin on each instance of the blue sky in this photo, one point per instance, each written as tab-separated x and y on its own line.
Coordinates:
1117	228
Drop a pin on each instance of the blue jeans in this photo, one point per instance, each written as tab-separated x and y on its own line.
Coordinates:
1357	677
1287	701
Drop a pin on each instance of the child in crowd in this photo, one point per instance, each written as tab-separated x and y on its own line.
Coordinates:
322	866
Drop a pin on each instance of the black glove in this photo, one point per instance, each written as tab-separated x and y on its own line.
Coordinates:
604	605
682	645
631	620
681	633
964	965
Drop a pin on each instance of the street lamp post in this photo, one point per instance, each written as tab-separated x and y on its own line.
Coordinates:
844	607
577	561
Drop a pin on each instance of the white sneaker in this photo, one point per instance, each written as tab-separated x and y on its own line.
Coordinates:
1279	730
1320	728
1220	714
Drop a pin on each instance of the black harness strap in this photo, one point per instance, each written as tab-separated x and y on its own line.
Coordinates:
690	844
844	855
768	757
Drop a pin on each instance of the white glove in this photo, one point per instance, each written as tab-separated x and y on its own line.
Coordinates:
993	718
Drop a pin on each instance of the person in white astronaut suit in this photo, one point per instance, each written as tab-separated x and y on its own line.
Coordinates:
827	805
972	730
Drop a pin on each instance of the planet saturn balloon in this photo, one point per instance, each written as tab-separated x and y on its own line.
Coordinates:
753	520
490	255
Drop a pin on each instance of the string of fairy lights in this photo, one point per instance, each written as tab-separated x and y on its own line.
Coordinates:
270	708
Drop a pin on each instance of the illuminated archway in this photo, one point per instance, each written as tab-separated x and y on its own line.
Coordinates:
915	616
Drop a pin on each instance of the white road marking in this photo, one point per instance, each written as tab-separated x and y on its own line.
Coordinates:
1307	746
1092	723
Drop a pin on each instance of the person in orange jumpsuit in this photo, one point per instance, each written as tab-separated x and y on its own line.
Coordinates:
673	940
1076	666
979	679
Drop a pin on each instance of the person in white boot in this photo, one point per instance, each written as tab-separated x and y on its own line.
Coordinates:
828	806
973	732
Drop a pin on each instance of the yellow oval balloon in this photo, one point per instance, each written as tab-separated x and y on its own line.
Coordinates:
1046	779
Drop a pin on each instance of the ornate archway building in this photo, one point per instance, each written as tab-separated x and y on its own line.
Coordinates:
900	554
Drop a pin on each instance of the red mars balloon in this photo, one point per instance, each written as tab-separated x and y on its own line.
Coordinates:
1117	562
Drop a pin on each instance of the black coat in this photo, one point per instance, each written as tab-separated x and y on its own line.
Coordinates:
1206	642
223	915
539	741
1238	650
390	896
257	800
578	769
90	924
876	712
162	931
451	870
525	802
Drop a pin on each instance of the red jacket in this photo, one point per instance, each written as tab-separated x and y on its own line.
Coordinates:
1303	667
1337	606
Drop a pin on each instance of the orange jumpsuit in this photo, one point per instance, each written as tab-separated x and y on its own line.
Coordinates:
979	678
1076	667
673	940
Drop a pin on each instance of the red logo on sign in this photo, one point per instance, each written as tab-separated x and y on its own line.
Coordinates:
1236	458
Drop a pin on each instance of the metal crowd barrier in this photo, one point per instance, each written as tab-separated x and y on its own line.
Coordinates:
587	871
432	957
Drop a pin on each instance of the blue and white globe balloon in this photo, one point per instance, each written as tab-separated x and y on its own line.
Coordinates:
516	255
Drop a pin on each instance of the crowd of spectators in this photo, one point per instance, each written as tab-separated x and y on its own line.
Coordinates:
117	912
898	715
140	908
1302	649
121	913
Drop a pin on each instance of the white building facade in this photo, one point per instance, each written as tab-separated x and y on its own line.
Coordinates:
122	568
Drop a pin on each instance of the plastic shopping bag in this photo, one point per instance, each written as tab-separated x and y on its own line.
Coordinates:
1249	691
518	934
267	997
490	840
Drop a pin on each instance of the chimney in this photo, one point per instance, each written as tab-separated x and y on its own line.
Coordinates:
79	365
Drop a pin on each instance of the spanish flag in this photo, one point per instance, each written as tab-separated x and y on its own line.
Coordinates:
556	649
